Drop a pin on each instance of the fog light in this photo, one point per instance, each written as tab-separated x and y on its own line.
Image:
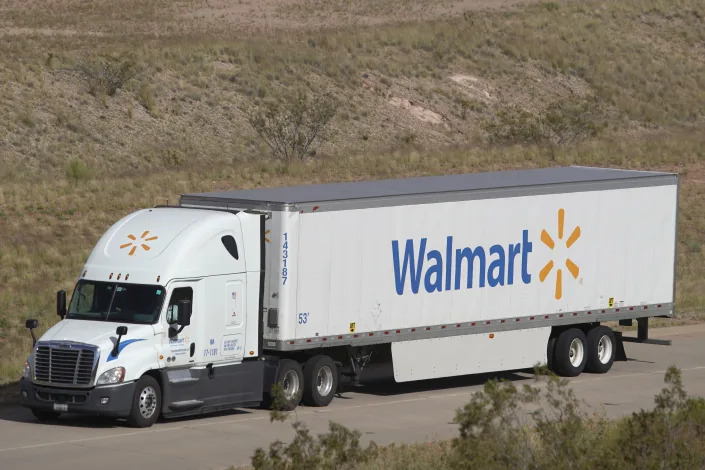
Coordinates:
104	400
24	394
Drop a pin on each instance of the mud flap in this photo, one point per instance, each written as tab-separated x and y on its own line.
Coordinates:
620	353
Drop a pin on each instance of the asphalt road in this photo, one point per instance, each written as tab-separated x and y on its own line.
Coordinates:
384	411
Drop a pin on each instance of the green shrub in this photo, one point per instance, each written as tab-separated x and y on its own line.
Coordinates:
514	125
147	97
563	122
77	171
668	437
339	448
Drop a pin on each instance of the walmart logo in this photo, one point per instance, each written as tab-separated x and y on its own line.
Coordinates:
569	264
493	267
434	270
134	244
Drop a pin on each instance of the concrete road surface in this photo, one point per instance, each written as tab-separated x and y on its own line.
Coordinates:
384	411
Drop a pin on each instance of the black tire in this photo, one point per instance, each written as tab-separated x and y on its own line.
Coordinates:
320	381
570	356
551	353
146	403
290	378
45	415
601	349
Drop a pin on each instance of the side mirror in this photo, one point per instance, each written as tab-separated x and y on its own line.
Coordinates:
31	325
184	315
61	303
120	331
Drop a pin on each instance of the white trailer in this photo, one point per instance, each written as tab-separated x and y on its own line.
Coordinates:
218	299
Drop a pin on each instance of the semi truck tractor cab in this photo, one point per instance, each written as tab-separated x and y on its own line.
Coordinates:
165	306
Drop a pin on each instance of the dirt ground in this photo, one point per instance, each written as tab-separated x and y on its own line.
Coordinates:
161	17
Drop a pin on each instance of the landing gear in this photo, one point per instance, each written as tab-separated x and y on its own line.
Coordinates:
359	358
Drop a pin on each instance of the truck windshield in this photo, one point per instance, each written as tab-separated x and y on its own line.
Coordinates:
123	303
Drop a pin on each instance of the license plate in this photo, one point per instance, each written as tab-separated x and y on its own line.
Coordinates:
61	407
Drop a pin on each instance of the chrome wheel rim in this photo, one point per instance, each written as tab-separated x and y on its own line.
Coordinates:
324	381
290	384
148	402
576	352
604	349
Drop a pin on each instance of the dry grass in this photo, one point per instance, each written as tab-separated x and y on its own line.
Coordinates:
72	163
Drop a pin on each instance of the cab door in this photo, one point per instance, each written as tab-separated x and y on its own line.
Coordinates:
180	347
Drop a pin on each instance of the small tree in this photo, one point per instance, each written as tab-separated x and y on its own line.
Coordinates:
77	171
291	127
105	75
573	120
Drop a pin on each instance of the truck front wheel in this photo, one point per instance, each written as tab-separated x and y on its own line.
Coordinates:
570	354
146	403
320	381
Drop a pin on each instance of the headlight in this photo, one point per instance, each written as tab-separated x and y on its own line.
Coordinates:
27	370
112	376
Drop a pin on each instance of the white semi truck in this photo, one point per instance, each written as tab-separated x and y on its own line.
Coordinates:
205	306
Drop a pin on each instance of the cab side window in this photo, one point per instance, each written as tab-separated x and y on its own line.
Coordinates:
172	311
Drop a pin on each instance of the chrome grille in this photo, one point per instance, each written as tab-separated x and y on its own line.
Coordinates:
64	364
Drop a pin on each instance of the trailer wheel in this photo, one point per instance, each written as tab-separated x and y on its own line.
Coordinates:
601	349
320	381
570	355
551	352
146	403
45	415
291	379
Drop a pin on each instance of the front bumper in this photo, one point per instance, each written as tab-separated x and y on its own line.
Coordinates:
86	401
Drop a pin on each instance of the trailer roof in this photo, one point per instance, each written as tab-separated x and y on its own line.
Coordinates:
283	197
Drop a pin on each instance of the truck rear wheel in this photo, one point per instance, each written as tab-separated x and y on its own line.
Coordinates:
320	381
146	403
570	354
601	349
291	380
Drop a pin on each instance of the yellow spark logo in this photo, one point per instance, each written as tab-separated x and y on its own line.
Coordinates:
548	241
135	243
266	238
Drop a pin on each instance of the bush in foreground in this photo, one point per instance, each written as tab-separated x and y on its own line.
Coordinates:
538	426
